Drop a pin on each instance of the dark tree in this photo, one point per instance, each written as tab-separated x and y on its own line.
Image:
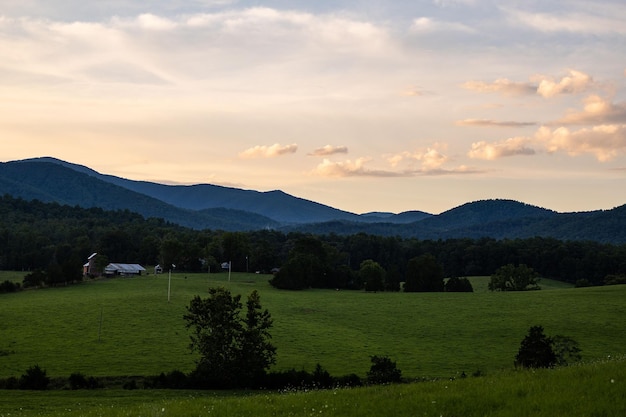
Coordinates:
233	350
383	371
256	352
536	350
424	274
35	378
514	278
455	284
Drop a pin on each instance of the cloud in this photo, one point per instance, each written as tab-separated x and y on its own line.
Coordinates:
501	85
329	150
427	24
575	82
497	150
545	86
605	142
349	168
430	158
269	151
601	20
597	110
357	168
490	123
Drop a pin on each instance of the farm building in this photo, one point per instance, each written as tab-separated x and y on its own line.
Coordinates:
124	269
89	267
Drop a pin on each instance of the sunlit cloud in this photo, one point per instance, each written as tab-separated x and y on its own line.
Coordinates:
605	142
545	86
500	149
574	82
429	158
597	110
329	150
492	123
358	168
262	151
349	168
427	24
501	85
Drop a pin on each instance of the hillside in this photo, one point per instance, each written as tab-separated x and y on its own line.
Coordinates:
209	206
276	205
50	182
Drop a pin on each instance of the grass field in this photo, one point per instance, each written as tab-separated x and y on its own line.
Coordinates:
126	326
592	389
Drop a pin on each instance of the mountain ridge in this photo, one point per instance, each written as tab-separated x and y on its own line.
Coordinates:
209	206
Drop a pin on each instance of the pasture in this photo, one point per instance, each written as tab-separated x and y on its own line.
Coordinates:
126	326
591	389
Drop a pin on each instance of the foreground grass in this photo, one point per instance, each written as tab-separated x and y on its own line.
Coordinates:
595	389
127	327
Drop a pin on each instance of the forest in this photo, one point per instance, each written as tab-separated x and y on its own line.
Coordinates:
55	240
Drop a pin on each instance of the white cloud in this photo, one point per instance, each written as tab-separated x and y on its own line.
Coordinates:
427	24
349	168
545	86
262	151
500	149
429	158
329	150
574	82
597	110
605	142
598	19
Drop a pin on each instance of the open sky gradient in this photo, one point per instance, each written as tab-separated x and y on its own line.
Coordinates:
359	104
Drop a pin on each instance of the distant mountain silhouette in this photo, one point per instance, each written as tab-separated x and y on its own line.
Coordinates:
214	207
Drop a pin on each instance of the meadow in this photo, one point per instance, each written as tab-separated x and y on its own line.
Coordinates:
126	326
592	389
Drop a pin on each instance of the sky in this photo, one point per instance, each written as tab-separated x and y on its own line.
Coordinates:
361	105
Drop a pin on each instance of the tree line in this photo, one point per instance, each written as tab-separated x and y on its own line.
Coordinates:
57	239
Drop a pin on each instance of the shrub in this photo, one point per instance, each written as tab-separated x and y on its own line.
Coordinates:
455	284
8	286
35	378
383	371
536	350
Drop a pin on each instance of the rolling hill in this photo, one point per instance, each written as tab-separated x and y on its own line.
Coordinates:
214	207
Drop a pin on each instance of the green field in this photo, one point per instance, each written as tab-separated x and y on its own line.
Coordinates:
125	326
592	389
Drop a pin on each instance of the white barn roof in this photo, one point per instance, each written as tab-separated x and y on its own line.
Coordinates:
114	268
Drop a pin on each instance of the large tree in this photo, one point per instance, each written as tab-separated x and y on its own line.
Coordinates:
234	351
424	274
372	275
514	278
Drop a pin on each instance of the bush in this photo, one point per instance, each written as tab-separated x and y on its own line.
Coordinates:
80	381
455	284
35	378
383	371
536	350
8	286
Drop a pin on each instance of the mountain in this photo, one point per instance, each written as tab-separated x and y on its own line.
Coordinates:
209	206
276	205
53	182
